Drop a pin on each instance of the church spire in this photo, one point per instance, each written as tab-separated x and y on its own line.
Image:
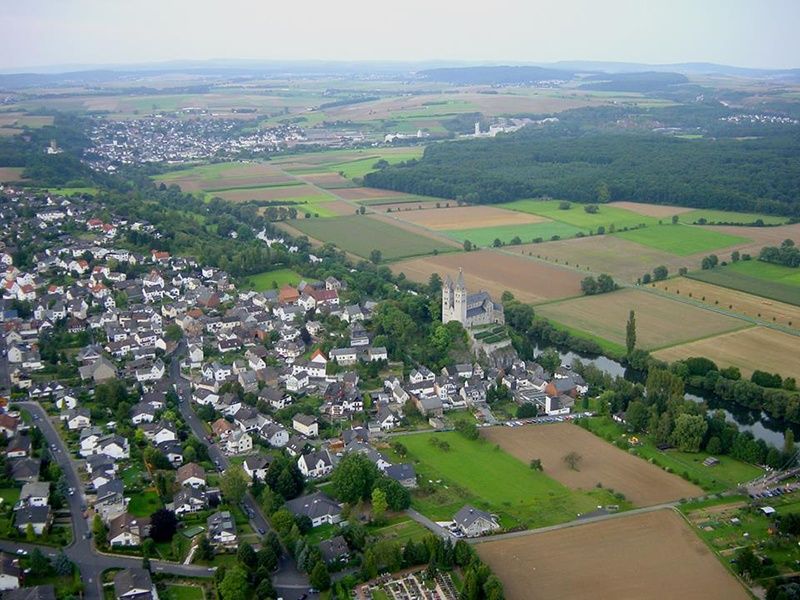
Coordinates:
460	281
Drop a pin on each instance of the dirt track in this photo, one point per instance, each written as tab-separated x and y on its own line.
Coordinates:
654	555
642	483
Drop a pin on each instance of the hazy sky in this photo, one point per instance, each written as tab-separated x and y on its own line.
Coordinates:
755	33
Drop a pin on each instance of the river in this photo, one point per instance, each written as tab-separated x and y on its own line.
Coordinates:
761	425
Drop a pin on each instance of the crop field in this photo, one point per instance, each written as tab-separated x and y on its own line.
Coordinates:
467	217
11	173
401	204
347	163
642	484
723	216
623	260
578	217
329	181
659	211
739	302
749	349
682	240
660	322
280	277
495	481
291	192
654	555
527	232
763	279
362	234
529	280
220	176
17	121
360	193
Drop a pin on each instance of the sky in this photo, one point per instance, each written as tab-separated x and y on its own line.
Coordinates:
747	33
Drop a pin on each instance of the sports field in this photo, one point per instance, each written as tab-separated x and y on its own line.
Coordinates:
654	555
494	481
660	322
682	240
759	348
529	280
739	302
577	216
280	277
763	279
528	232
363	234
602	463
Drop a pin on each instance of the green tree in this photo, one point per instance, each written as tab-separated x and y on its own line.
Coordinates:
375	256
319	578
637	416
573	460
630	333
62	565
397	497
234	585
788	442
674	219
660	273
39	563
467	246
173	332
233	484
379	505
99	531
689	431
163	525
354	477
549	360
247	556
369	566
536	464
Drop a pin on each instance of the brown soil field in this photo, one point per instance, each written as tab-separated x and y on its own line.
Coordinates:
761	236
400	206
653	555
660	322
734	300
11	173
277	193
328	180
651	210
19	120
642	483
754	348
468	217
529	280
363	193
340	207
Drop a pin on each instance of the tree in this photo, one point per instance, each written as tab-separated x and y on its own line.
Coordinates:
467	246
674	219
467	429
173	332
319	578
163	525
62	565
379	505
689	431
99	531
637	416
573	460
39	563
589	286
603	193
630	333
397	497
591	209
234	585
660	273
369	566
205	551
527	410
265	590
247	556
536	464
788	442
354	477
375	256
646	278
493	588
549	360
747	563
564	205
233	484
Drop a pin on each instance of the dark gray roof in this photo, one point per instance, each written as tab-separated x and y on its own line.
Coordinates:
37	592
313	506
131	580
401	472
469	514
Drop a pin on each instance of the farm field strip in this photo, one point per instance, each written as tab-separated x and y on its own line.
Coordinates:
658	211
724	216
11	173
668	560
577	216
661	322
749	349
682	240
527	232
466	217
775	282
641	483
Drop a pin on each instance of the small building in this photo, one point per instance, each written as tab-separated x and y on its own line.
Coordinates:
192	475
134	584
306	424
318	507
473	522
221	529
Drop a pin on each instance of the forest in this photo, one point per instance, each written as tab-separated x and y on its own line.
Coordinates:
592	165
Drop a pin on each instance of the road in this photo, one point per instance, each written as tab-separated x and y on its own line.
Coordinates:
430	525
288	581
81	551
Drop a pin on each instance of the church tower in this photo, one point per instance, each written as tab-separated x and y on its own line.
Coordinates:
447	299
460	299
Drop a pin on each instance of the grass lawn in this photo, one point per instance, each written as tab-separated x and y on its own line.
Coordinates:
402	531
132	476
323	532
681	240
762	279
527	232
724	216
360	235
479	473
724	476
359	168
144	503
9	495
263	281
578	217
182	592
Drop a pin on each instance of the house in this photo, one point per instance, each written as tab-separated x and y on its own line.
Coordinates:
38	517
318	507
306	425
473	522
403	473
222	428
188	500
8	425
162	431
34	494
134	584
275	435
18	446
173	450
221	529
25	469
36	592
110	500
143	412
238	442
344	356
114	446
192	475
315	464
334	550
99	371
127	530
429	406
77	419
9	572
256	466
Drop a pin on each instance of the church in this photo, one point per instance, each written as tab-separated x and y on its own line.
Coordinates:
470	310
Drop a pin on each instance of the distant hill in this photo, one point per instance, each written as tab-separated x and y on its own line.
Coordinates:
497	75
648	81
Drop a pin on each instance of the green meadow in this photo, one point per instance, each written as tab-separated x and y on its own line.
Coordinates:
682	240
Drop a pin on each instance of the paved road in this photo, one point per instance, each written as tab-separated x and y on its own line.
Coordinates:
81	551
430	525
288	581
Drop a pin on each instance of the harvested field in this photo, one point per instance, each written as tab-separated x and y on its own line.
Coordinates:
398	205
654	555
754	348
20	120
659	211
328	180
306	192
734	300
660	322
221	176
11	173
763	279
467	217
529	280
642	483
360	193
